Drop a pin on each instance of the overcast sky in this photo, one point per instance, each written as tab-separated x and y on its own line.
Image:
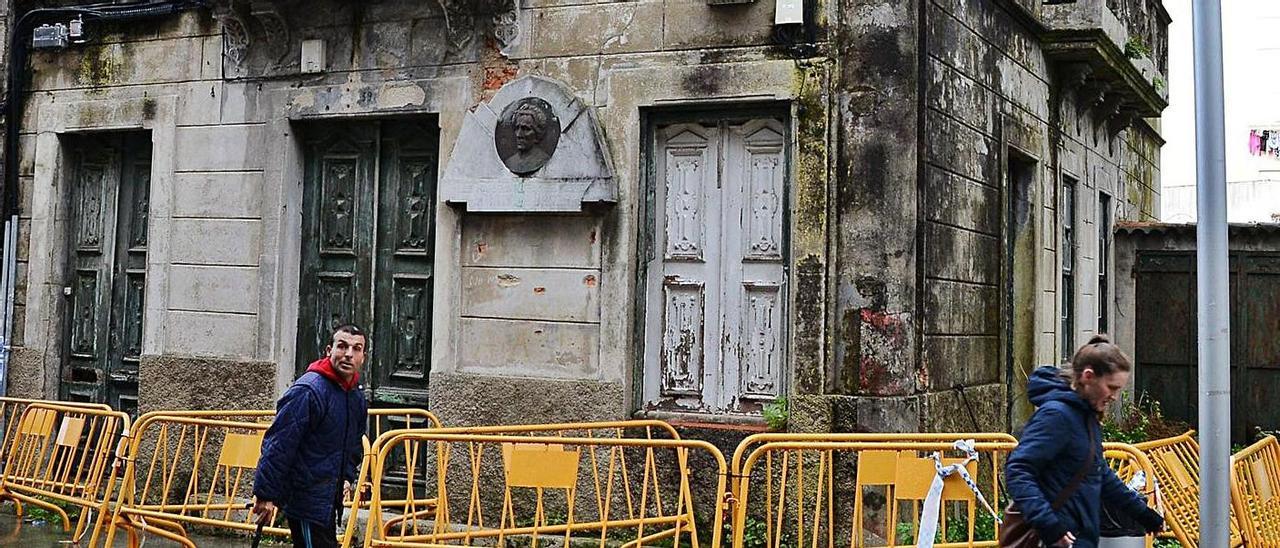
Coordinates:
1251	67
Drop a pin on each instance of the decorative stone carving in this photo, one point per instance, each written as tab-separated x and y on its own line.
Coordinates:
503	163
257	24
235	42
506	27
275	32
527	135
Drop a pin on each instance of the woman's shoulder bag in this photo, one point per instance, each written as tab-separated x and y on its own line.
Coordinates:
1017	532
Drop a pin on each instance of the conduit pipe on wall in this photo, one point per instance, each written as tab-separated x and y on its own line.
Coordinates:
14	89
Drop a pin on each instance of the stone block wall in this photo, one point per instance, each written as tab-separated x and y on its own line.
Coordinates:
998	116
909	120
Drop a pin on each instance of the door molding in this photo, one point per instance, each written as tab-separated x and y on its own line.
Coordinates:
47	269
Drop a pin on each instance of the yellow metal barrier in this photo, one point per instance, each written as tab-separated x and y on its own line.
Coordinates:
1255	491
1176	462
1127	461
805	502
877	471
383	420
415	506
756	440
180	482
397	418
188	468
11	411
65	453
504	483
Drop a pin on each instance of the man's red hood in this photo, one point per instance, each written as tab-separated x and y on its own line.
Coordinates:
324	367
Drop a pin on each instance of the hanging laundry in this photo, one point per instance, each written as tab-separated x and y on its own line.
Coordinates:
1255	142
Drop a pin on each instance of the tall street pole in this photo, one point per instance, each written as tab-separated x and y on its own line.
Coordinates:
1212	298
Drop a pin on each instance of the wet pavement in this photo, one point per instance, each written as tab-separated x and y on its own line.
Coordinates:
30	533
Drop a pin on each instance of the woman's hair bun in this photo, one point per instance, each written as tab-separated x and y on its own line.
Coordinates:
1100	338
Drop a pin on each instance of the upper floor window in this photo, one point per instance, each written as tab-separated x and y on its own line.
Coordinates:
1067	218
1104	262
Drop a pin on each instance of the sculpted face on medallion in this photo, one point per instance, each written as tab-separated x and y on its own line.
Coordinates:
527	134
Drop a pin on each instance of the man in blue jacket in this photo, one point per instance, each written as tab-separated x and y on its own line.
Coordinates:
311	453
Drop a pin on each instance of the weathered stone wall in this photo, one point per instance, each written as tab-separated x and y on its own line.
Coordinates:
876	169
172	382
906	116
222	291
996	108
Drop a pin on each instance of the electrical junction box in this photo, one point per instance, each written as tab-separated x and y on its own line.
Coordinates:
312	56
49	36
787	12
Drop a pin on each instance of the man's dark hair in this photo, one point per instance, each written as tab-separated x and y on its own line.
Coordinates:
350	329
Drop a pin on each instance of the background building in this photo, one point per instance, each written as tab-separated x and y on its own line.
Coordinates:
886	211
1249	42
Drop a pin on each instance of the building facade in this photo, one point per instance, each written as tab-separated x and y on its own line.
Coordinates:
885	212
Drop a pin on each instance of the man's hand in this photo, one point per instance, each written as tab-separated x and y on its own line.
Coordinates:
265	510
1066	541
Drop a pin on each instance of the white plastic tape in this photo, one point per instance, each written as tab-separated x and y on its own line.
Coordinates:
929	515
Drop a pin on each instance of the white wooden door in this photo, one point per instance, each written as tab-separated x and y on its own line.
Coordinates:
714	312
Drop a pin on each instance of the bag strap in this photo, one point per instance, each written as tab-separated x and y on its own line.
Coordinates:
1079	477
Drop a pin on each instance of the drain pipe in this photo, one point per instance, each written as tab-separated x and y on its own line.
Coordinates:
18	48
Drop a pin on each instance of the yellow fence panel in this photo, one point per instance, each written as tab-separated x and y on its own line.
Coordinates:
417	500
793	492
65	453
1255	490
385	419
756	440
11	412
1176	462
184	469
602	486
1127	461
382	420
196	468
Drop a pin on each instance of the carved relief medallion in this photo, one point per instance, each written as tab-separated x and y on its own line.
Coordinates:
527	134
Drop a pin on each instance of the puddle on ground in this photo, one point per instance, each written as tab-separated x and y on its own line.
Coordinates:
39	534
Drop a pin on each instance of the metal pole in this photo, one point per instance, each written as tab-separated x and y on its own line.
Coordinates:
1212	297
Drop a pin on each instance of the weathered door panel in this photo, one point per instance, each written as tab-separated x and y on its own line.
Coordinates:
683	271
1165	349
368	249
754	174
130	276
715	280
95	180
110	180
1261	328
403	277
337	228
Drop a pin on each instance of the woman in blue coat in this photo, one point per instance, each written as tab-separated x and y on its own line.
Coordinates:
1057	441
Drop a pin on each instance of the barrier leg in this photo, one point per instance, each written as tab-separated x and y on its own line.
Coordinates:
174	526
184	541
66	521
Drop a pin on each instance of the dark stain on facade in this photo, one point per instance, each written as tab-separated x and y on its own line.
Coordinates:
703	81
808	331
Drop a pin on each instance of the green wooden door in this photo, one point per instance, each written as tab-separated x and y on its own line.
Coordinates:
368	248
110	179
